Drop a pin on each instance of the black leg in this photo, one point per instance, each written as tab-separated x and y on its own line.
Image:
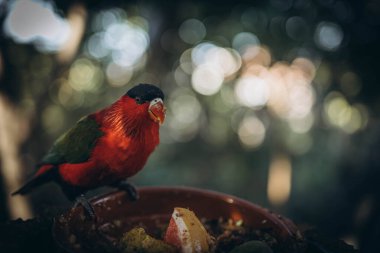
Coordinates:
88	208
128	188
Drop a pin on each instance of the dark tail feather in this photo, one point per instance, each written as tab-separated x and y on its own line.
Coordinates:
37	180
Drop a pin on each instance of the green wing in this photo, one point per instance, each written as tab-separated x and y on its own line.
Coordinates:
75	145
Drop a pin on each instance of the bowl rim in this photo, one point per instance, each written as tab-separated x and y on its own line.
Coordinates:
289	231
289	228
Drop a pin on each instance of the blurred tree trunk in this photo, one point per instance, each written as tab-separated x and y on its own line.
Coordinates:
14	128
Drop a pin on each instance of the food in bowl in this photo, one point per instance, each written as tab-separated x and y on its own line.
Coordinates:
187	234
229	220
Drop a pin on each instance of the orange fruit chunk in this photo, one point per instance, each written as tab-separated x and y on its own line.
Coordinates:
187	233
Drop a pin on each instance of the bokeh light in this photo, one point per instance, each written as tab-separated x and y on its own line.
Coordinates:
123	40
186	61
242	41
96	46
206	80
252	91
257	55
302	125
42	25
292	95
118	75
297	28
224	60
339	113
328	36
183	116
68	97
84	75
279	180
192	31
251	132
213	65
127	42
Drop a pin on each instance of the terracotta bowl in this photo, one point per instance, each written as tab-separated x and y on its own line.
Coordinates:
157	203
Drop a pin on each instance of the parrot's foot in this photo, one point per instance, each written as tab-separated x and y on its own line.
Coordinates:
130	189
88	208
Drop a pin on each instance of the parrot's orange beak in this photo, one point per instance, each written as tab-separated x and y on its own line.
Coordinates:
157	110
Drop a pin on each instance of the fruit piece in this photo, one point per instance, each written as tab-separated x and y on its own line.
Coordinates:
138	241
187	233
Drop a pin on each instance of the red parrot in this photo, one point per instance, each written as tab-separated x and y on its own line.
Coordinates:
106	147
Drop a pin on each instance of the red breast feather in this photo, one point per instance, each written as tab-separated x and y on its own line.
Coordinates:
130	136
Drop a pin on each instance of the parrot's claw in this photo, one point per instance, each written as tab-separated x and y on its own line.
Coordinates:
130	189
88	208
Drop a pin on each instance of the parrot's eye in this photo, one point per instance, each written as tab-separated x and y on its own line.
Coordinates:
138	100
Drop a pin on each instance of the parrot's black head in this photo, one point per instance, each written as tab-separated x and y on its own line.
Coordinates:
145	93
149	99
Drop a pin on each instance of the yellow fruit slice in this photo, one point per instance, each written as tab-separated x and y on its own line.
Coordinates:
187	233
